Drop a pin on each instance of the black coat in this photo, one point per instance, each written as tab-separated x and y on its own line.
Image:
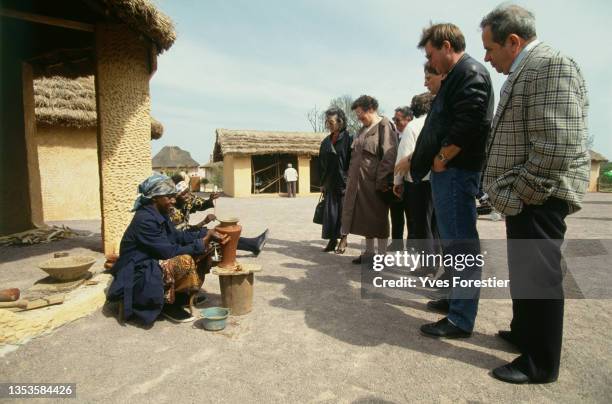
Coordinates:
461	115
150	237
334	161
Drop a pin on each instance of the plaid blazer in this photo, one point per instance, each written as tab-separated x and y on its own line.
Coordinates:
537	146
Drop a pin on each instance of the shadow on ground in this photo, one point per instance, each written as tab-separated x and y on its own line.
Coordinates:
333	306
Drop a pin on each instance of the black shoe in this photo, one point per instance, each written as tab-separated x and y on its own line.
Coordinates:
261	241
331	246
176	313
510	373
444	329
440	305
484	208
507	336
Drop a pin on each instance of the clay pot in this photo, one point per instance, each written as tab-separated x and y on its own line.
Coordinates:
230	227
9	295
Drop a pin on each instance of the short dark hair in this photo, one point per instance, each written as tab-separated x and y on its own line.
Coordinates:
406	111
438	33
339	114
428	68
365	102
421	104
510	19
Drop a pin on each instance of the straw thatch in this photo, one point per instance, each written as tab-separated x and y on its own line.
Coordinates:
597	156
144	17
61	101
173	157
255	142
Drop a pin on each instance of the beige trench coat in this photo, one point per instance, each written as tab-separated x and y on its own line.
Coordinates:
364	213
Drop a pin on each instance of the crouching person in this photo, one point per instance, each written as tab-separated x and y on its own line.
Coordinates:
159	267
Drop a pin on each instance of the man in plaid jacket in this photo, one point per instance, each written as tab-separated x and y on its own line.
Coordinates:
537	172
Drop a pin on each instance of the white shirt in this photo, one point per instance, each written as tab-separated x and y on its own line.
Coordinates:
406	147
290	174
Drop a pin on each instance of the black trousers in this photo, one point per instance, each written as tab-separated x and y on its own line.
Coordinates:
537	324
397	219
419	209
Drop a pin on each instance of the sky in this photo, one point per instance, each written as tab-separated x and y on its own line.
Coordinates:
263	64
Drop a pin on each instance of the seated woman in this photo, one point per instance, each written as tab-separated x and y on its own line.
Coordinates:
187	203
159	266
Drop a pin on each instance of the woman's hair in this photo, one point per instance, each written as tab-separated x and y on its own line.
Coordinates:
366	103
421	104
177	178
428	68
340	116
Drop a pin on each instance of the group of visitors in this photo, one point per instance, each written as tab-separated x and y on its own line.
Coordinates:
437	156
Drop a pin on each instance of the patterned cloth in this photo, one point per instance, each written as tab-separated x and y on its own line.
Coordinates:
183	274
537	148
179	215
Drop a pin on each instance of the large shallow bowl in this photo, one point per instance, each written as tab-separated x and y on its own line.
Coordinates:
67	268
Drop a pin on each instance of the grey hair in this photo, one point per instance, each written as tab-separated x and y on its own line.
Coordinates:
405	111
508	19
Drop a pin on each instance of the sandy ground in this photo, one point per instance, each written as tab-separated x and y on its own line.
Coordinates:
311	337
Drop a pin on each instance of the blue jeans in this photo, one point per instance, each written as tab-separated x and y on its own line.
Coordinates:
454	191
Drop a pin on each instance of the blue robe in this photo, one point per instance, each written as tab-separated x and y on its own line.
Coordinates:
150	237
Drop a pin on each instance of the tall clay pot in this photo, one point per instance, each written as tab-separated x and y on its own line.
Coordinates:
233	230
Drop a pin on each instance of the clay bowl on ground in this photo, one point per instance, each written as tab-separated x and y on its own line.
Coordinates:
67	268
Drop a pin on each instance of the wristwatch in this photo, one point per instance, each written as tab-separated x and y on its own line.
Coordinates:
442	157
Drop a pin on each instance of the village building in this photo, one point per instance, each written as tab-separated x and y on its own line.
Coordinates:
254	161
67	147
172	159
115	41
596	160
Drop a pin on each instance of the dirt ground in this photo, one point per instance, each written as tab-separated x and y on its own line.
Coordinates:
310	337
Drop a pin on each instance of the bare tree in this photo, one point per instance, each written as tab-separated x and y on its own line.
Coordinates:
316	118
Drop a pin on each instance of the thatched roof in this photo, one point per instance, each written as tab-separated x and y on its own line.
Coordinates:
596	156
173	157
257	142
142	16
60	101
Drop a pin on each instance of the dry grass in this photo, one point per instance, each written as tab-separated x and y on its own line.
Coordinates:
253	142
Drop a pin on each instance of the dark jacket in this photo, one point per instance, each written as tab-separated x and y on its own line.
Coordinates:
461	114
150	237
334	162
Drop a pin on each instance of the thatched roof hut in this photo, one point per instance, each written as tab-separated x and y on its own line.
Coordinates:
597	156
258	142
142	16
173	157
61	101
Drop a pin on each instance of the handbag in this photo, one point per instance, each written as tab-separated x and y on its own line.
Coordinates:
318	215
387	196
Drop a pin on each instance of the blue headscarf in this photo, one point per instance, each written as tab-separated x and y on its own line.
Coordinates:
155	185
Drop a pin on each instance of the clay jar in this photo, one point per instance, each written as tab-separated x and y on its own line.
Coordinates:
230	227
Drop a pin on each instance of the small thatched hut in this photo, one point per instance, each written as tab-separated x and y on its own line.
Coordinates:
596	160
115	41
254	161
66	134
173	158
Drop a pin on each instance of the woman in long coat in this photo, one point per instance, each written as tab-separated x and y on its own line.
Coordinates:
334	158
373	155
